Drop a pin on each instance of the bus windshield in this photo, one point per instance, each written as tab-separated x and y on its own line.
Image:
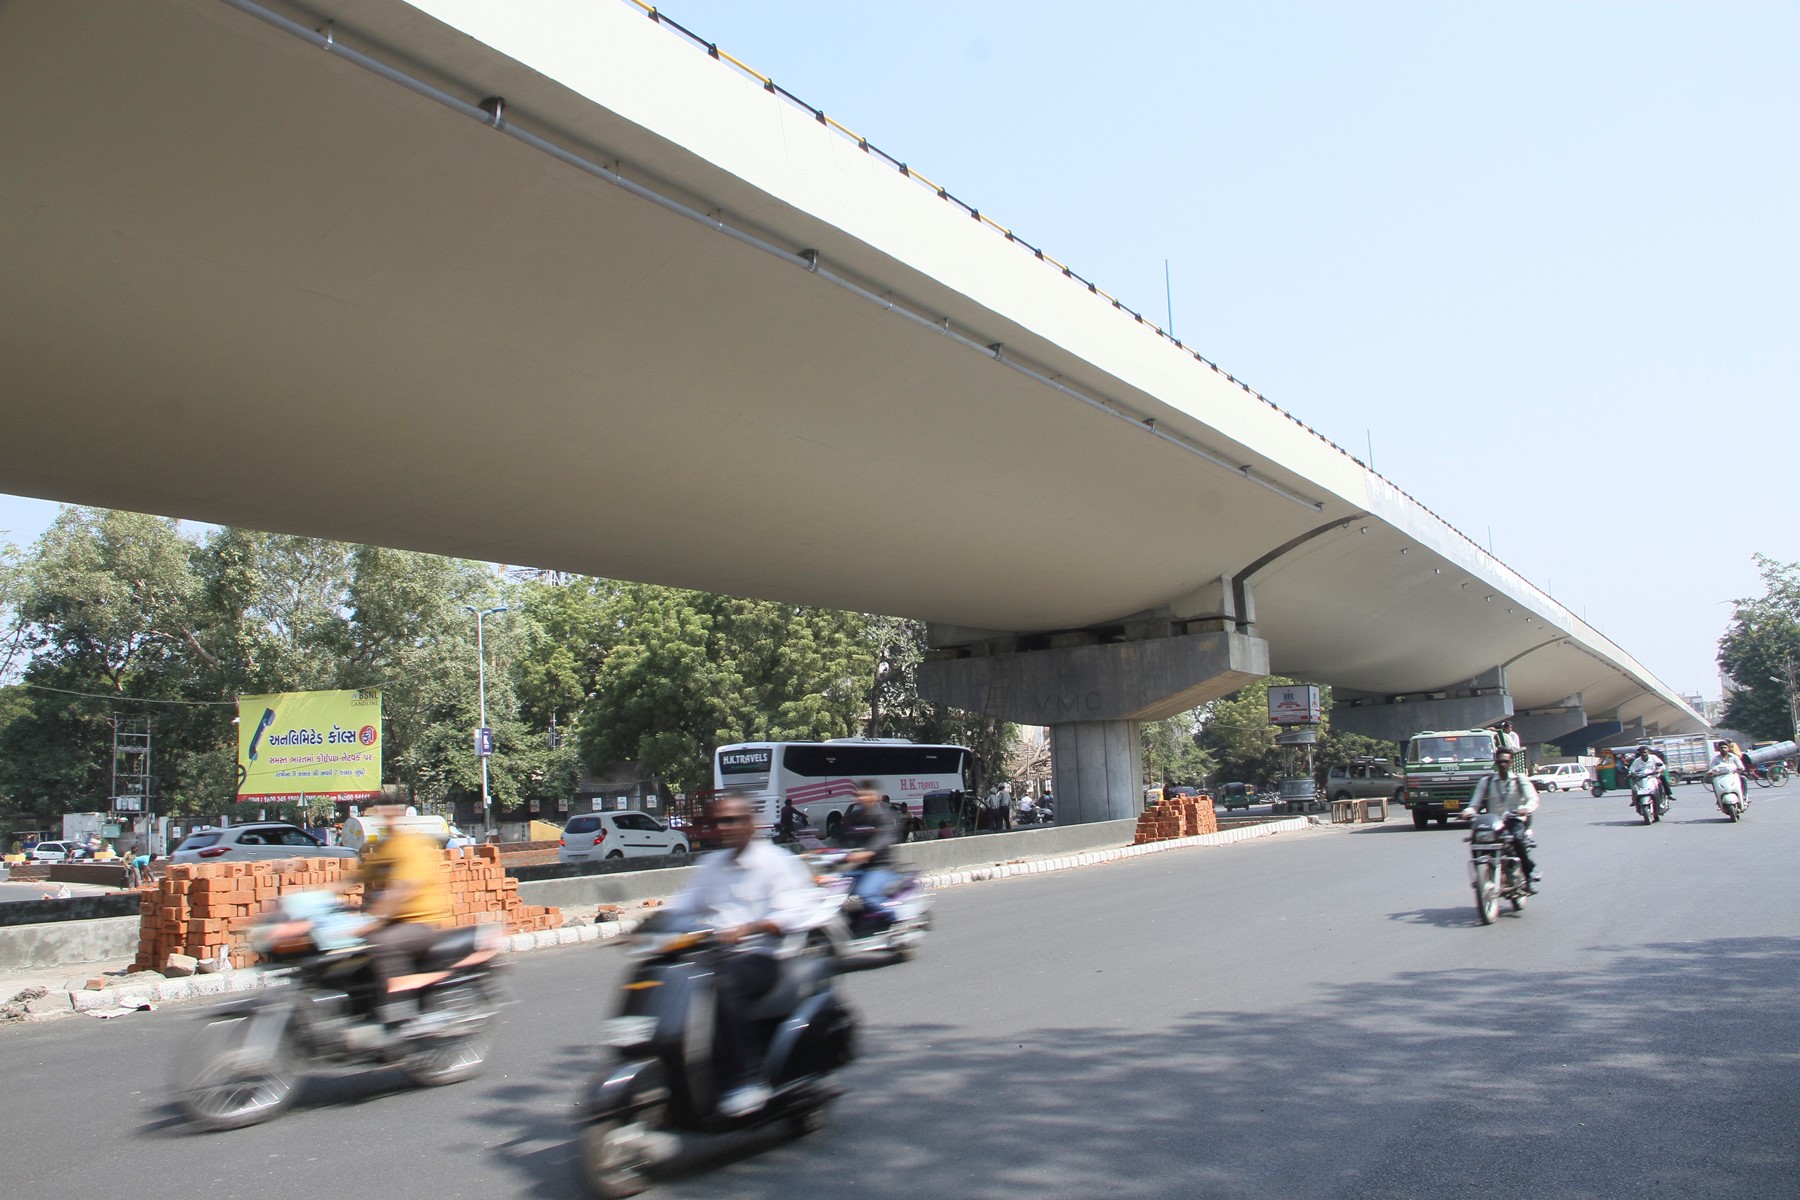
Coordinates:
1467	747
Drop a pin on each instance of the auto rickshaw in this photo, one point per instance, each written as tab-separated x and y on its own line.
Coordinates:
1614	771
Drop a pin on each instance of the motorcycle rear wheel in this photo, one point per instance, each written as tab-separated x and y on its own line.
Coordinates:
451	1059
809	1120
220	1084
613	1155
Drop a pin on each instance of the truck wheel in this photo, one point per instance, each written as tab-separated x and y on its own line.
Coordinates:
1420	820
1443	822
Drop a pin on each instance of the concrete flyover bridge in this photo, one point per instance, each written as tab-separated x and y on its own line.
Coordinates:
547	282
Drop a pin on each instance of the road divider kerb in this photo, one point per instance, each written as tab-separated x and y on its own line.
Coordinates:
1093	857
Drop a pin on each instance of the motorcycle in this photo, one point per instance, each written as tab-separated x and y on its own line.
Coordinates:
1728	792
1649	798
664	1083
243	1064
895	923
1495	869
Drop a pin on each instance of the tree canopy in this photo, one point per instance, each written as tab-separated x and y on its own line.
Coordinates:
1760	652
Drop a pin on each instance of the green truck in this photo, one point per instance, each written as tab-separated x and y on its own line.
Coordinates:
1441	771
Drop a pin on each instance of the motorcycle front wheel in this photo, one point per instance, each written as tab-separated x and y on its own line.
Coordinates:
1648	812
1487	893
224	1082
615	1155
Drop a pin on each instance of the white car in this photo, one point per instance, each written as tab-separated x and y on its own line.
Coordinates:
591	837
252	842
54	852
1561	777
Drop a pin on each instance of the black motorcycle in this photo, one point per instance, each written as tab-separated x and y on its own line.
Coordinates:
244	1064
663	1081
1495	868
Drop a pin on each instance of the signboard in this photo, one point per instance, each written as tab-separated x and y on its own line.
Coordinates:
295	744
1294	704
745	762
484	742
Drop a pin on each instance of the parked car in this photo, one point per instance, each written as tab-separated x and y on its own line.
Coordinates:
591	837
1362	779
252	842
1561	777
54	852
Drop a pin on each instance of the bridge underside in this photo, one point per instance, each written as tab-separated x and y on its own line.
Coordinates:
249	282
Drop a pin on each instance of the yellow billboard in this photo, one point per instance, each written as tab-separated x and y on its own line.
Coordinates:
300	744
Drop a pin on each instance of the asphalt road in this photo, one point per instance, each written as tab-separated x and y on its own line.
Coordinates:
1315	1015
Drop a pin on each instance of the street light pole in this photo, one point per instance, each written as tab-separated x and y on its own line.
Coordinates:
487	804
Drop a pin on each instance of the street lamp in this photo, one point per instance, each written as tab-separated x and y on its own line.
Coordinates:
481	749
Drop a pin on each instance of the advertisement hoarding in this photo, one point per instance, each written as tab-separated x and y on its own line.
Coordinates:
1294	704
295	744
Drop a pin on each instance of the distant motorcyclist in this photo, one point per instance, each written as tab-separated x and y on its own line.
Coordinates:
755	894
1512	796
869	832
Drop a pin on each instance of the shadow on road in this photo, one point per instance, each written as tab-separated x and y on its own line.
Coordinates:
1460	917
1210	1105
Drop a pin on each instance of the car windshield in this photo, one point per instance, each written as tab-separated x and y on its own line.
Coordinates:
1462	748
582	825
198	841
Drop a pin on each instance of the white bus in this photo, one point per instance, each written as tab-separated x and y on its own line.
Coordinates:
821	778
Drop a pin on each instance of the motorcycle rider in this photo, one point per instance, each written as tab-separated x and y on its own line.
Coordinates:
1514	796
755	894
869	831
406	900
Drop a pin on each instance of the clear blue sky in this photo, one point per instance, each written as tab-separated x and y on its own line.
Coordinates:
1510	244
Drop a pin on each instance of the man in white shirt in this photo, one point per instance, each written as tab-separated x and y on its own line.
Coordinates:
754	894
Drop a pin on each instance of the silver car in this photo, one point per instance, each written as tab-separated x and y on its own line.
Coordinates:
254	841
1363	779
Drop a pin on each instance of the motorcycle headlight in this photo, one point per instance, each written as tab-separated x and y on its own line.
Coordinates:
625	1032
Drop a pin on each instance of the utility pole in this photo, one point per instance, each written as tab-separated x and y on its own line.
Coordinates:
484	737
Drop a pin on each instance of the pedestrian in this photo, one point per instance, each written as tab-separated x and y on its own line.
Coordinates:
944	830
999	810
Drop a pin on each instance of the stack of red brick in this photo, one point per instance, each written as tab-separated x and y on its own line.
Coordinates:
205	909
1176	817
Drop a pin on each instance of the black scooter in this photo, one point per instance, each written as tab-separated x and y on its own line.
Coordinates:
664	1082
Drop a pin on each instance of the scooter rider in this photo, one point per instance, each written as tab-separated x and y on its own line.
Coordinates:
1725	772
755	894
869	831
1647	764
1512	795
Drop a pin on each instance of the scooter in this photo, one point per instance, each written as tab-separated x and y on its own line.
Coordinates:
663	1082
894	924
1648	797
1728	792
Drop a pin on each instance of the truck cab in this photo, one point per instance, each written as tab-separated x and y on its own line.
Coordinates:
1442	769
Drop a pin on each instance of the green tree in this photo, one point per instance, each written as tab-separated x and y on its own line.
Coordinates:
687	671
1760	648
1172	752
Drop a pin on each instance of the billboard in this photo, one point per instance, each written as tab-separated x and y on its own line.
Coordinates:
295	744
1294	704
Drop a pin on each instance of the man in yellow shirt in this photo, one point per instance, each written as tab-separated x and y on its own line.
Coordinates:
406	898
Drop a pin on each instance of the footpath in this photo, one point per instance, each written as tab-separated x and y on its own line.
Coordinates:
111	987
